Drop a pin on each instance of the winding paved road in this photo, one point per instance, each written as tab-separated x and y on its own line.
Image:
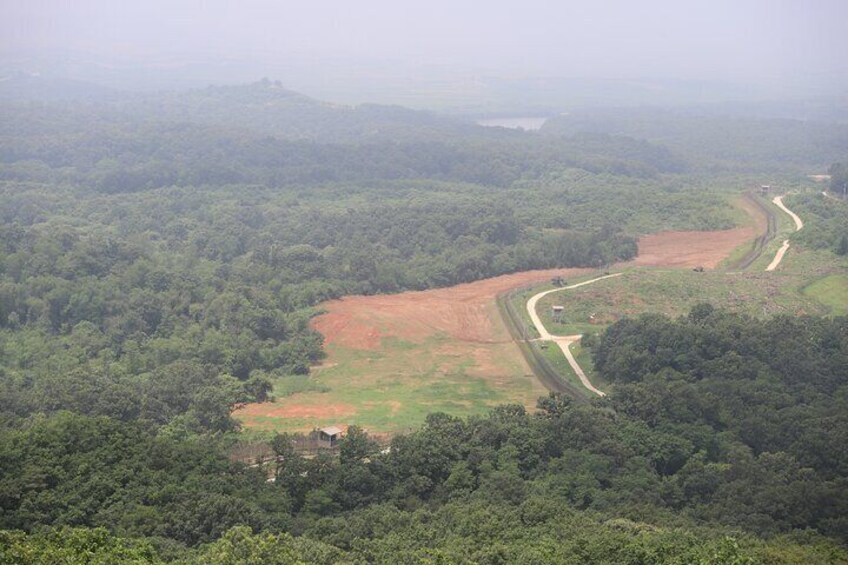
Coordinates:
564	341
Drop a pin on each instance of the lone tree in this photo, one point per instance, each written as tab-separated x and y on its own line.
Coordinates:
354	446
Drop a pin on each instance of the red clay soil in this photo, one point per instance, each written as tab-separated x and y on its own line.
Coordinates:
297	411
459	311
690	249
698	248
360	322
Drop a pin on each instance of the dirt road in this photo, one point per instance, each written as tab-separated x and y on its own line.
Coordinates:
566	340
778	256
531	304
778	201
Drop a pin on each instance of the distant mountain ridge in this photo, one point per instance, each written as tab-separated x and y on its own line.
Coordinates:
267	107
264	107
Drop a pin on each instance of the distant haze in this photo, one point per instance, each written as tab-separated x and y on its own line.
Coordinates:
373	47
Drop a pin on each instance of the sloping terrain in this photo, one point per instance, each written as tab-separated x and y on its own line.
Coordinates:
394	358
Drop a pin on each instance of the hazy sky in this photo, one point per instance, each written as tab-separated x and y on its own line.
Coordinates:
715	39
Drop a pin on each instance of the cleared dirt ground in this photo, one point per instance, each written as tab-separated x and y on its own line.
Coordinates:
464	312
394	358
690	249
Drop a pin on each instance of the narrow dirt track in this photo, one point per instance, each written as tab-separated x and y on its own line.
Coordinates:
778	201
564	343
778	256
566	340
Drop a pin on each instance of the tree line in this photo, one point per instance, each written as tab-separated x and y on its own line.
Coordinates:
726	432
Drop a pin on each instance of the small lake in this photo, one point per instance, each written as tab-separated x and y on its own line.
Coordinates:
528	123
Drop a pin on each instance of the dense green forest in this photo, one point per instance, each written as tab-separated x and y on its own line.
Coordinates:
161	257
715	141
163	272
720	427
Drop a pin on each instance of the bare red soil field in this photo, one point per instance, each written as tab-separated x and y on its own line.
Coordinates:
698	248
467	313
297	411
461	311
690	249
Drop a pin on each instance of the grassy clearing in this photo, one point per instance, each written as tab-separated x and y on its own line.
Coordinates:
294	384
583	355
551	351
592	308
584	358
392	390
831	291
808	282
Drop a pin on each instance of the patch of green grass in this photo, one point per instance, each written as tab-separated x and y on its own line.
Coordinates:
832	291
554	354
395	388
583	356
590	309
293	384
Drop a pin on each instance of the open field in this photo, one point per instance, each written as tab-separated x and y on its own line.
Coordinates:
673	292
831	291
393	389
687	249
392	359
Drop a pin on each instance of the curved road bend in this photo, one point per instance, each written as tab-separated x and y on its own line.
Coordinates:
564	341
778	201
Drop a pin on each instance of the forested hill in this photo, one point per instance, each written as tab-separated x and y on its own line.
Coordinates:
263	134
725	429
161	258
264	107
717	141
267	107
189	257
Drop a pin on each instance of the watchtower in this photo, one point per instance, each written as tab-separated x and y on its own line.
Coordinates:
557	312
